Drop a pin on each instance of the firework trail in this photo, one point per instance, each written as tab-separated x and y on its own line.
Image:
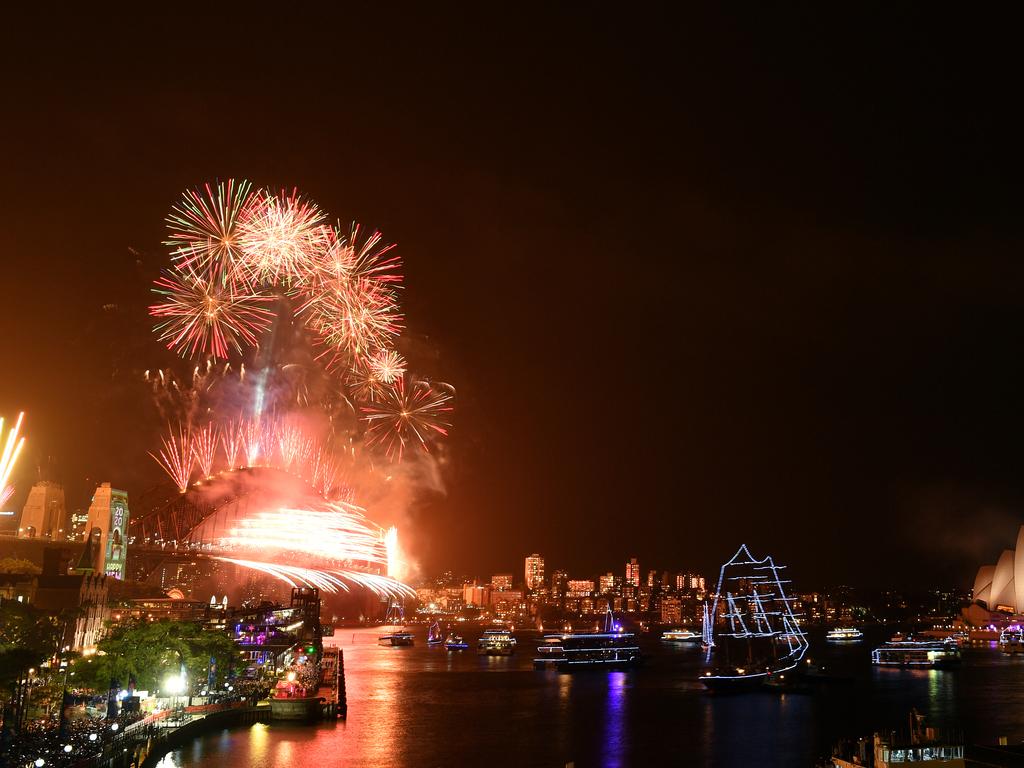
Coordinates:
280	237
204	448
252	440
204	313
176	458
333	531
204	225
231	438
12	449
412	413
328	581
292	446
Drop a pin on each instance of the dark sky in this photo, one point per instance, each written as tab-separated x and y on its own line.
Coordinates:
698	280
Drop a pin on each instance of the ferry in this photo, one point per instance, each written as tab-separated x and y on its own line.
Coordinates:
1011	639
612	648
396	639
455	643
681	636
844	635
496	642
917	653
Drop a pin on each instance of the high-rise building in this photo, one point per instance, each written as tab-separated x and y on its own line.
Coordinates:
606	583
108	513
559	583
44	515
652	579
534	572
580	587
633	573
502	582
671	610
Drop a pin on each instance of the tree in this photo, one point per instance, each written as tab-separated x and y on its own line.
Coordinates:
19	566
150	652
27	638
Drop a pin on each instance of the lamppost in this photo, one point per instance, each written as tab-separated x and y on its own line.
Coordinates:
174	685
63	730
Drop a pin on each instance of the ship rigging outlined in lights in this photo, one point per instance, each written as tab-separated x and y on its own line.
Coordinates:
759	638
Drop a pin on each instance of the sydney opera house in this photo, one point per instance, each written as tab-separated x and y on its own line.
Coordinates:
1000	587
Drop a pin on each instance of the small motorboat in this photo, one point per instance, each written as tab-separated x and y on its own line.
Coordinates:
396	639
455	643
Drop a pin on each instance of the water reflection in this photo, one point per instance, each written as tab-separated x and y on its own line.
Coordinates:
614	751
419	706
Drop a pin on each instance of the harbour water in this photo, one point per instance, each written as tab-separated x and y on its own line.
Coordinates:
421	707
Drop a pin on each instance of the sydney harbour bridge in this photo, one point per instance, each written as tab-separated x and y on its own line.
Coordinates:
264	519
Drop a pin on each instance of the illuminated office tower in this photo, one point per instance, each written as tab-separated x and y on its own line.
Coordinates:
534	572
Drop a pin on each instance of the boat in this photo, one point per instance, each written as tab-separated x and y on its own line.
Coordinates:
610	649
1011	639
496	642
396	639
844	635
758	638
680	636
907	652
920	745
455	643
434	636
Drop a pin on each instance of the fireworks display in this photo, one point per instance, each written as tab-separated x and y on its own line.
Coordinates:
254	271
177	457
12	448
203	312
411	414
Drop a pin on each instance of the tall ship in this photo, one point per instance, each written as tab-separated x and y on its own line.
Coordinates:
907	652
496	642
751	633
395	617
434	635
609	649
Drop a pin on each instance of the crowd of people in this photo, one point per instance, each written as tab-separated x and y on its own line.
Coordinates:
61	745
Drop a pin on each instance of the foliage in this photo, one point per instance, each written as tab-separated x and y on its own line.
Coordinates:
18	565
149	652
27	638
26	634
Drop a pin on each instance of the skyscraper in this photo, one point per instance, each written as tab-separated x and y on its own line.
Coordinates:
534	572
633	573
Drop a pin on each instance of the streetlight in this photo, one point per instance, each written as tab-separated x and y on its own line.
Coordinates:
114	727
92	737
40	762
68	748
174	684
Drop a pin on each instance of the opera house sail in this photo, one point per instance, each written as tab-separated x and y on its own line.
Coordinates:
1000	587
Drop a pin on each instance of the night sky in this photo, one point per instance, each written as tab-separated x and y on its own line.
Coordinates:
698	281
